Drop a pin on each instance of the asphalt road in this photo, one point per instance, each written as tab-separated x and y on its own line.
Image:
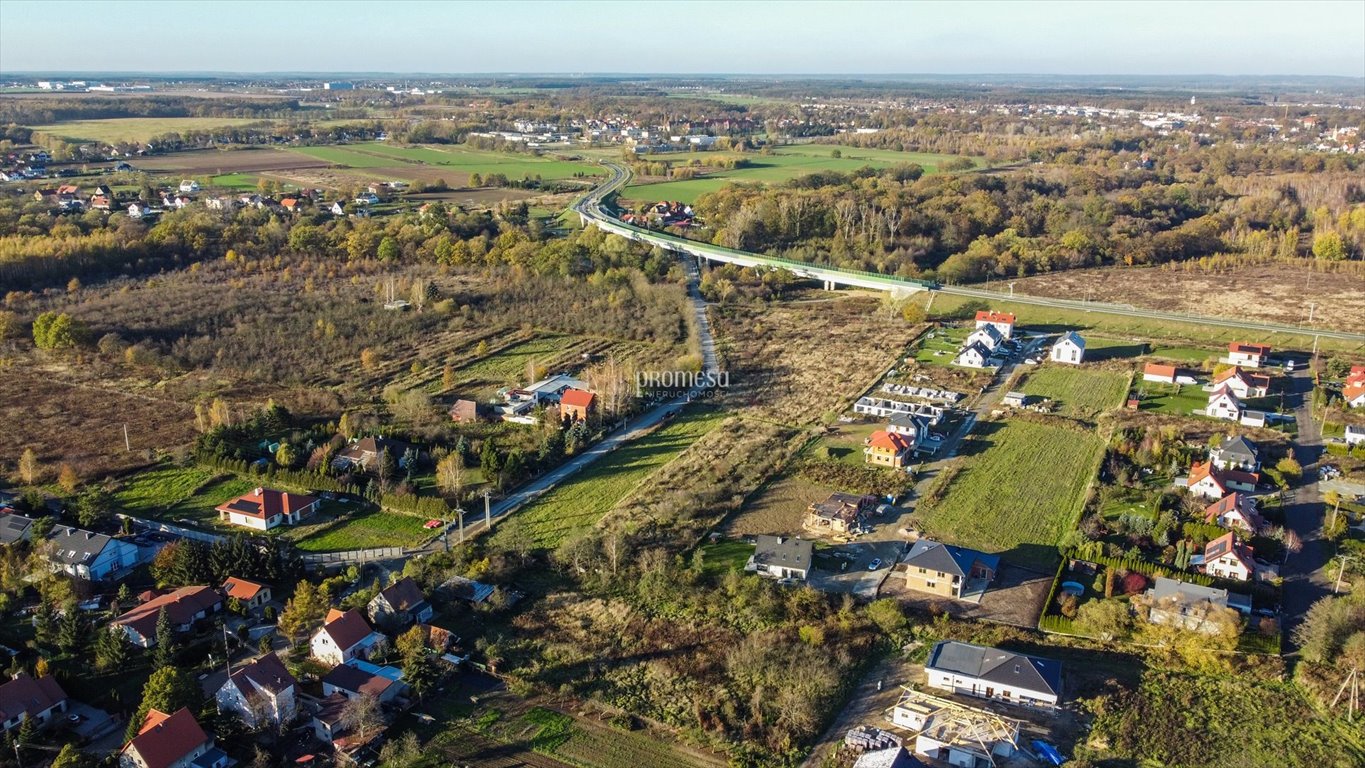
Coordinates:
1305	579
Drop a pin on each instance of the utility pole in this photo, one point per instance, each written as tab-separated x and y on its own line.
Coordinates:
487	510
1312	305
128	446
1341	570
1011	290
227	653
460	511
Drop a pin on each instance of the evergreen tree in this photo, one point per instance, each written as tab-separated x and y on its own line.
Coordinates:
164	653
167	690
71	629
111	649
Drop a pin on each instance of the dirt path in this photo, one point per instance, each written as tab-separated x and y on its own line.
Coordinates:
866	705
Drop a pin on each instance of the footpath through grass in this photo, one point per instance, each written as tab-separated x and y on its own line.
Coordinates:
1019	493
580	502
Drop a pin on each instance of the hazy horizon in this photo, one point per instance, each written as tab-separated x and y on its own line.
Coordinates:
1323	38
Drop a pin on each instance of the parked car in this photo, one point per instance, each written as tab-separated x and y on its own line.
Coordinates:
875	564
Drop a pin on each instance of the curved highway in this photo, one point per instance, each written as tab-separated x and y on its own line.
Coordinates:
589	209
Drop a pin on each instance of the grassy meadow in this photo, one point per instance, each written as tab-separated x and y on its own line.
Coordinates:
1080	393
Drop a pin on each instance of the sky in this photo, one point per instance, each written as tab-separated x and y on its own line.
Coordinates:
1324	37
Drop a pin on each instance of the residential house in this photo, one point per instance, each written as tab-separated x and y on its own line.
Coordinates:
1354	395
251	595
946	570
139	210
1164	374
358	677
521	403
987	336
912	427
1354	435
345	636
402	603
364	454
219	204
265	508
781	557
992	673
1235	510
1188	606
172	741
955	733
1070	348
290	204
1227	558
89	556
14	527
1002	321
369	198
973	356
841	513
260	692
22	698
331	726
888	449
1248	355
1236	453
1356	376
184	607
576	404
337	209
101	202
189	185
464	412
1223	404
1241	383
1014	399
1212	483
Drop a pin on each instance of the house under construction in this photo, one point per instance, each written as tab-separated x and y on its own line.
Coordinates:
963	736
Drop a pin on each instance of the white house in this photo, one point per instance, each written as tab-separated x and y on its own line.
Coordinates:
1212	483
172	741
1355	435
987	336
337	209
1164	374
1068	349
1240	383
89	556
345	636
189	185
1235	510
973	356
781	557
40	699
1223	404
260	692
1227	558
1003	322
1248	355
265	508
991	673
1354	395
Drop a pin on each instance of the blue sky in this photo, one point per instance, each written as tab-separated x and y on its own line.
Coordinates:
1228	38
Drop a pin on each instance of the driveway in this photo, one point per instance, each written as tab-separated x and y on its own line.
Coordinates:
857	580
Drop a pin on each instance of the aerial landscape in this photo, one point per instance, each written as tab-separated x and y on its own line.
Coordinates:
833	385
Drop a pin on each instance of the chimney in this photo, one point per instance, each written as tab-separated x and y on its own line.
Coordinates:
260	491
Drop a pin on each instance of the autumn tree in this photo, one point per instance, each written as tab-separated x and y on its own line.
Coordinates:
369	359
450	474
29	469
362	715
169	689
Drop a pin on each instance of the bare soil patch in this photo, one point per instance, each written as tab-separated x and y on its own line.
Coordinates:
1016	597
1274	293
215	161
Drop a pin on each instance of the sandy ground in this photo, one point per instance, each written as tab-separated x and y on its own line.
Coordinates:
1278	293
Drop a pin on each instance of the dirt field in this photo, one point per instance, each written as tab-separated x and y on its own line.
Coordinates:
213	161
777	510
1016	597
793	362
1277	293
66	416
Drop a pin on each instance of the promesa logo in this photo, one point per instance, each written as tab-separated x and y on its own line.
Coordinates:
678	383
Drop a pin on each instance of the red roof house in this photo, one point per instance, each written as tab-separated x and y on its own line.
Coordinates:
265	508
576	403
183	608
167	741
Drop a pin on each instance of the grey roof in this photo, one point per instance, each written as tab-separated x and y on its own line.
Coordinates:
1018	670
903	419
1073	337
1165	587
13	527
1238	448
73	546
784	552
946	558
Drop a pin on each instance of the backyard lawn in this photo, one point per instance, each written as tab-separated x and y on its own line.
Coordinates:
360	528
580	502
1179	399
940	346
1081	393
1019	492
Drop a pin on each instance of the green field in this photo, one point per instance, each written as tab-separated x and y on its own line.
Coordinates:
942	348
1019	493
157	490
1080	393
137	130
785	163
1184	354
579	503
508	367
360	529
459	159
1176	399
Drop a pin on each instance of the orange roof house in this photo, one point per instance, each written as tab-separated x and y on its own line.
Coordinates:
1159	372
887	449
576	403
166	740
265	508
